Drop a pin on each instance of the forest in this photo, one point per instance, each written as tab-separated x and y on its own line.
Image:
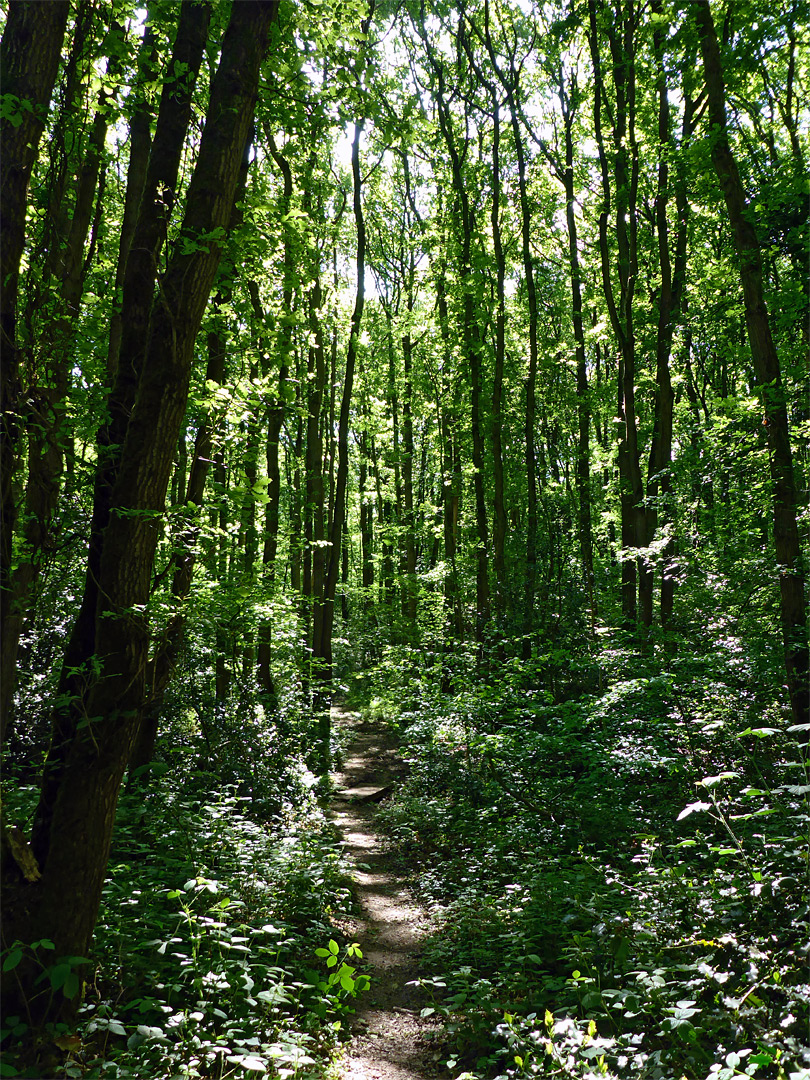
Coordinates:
437	372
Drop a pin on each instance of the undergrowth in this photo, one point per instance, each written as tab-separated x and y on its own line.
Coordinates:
215	953
619	881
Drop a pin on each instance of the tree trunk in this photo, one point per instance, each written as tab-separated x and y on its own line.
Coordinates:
448	407
166	652
409	604
322	649
140	144
139	283
530	586
76	813
672	277
766	365
625	189
472	351
366	514
583	464
167	649
314	531
275	418
511	85
29	58
499	523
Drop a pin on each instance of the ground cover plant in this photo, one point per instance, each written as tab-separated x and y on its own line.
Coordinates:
620	880
215	952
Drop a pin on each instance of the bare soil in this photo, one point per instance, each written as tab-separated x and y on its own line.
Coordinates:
390	1041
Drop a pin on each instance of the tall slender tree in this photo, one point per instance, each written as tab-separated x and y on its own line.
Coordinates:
769	378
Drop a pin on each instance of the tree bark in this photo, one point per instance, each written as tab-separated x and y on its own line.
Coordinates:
472	351
511	85
766	365
140	145
65	264
141	274
322	651
29	58
583	463
76	814
636	575
167	648
165	654
499	523
672	281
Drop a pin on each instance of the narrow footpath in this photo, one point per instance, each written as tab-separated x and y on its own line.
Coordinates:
390	1041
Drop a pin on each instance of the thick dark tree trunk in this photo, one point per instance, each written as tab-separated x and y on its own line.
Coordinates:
140	145
65	263
29	58
138	290
77	807
766	365
166	651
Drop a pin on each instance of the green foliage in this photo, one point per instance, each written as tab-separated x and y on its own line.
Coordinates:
204	941
621	881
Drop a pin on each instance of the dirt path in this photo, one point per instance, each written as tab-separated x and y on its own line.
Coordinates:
390	1041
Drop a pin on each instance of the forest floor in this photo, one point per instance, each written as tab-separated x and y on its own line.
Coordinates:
390	1040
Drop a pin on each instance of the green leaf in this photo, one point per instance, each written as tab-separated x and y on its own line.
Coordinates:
58	975
249	1062
12	959
276	995
713	781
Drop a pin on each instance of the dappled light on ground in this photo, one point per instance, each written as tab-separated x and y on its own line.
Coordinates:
390	1040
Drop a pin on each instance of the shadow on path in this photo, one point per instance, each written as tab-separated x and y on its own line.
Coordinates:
390	1040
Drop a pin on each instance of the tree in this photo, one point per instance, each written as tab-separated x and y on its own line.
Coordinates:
29	58
769	377
91	749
